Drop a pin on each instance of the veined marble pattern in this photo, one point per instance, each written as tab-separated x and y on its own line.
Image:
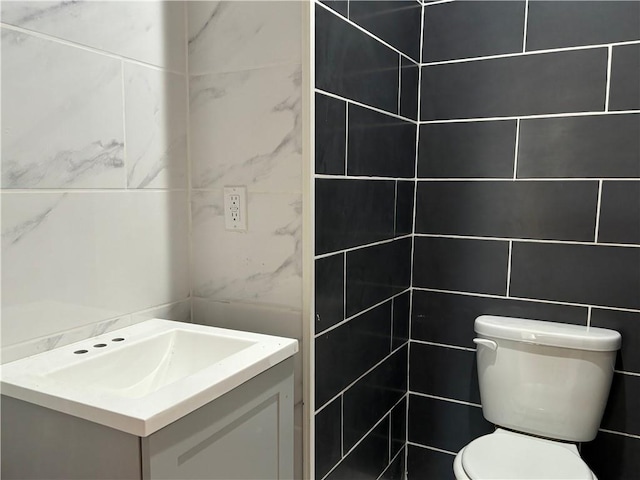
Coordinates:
238	35
179	311
156	128
148	31
61	116
260	266
72	259
246	129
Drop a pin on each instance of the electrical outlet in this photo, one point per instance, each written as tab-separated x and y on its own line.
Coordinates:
235	208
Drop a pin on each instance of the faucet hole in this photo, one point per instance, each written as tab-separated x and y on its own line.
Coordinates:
78	352
119	339
100	345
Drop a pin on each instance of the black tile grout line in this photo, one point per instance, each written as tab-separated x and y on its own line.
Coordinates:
530	53
623	434
444	399
534	300
527	240
326	93
362	246
364	30
529	117
391	460
608	84
362	312
344	390
386	416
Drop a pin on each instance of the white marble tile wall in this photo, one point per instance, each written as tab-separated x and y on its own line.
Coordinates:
262	266
245	129
229	36
95	206
152	32
70	259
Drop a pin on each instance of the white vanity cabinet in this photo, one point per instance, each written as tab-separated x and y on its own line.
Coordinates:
246	433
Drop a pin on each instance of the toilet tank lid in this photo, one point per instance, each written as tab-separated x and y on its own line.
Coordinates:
553	334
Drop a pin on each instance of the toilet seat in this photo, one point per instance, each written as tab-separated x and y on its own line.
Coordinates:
509	455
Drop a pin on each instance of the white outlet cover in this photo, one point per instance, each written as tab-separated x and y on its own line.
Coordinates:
235	208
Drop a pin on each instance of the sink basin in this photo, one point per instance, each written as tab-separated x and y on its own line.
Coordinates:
141	378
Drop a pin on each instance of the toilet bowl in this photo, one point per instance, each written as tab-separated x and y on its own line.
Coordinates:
533	375
510	455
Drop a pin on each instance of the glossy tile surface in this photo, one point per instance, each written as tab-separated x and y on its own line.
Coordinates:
620	213
401	318
448	318
554	210
368	459
156	128
595	275
348	351
444	372
260	266
449	32
405	193
380	145
620	414
409	76
229	36
329	291
376	273
445	425
373	396
366	70
244	134
328	439
611	454
73	139
382	18
112	257
150	32
430	463
628	324
625	77
353	212
472	150
568	24
330	134
571	81
454	264
583	147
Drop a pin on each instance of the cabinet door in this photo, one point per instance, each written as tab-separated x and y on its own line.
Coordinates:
245	434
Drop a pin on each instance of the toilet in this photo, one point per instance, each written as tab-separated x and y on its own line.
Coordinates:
545	387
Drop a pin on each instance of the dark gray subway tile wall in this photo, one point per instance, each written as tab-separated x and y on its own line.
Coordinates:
538	210
620	212
353	212
553	181
445	425
478	266
572	185
376	273
553	24
397	22
546	83
467	150
593	146
362	232
456	30
354	65
625	78
331	135
380	145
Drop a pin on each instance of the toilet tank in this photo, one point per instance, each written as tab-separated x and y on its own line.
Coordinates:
545	378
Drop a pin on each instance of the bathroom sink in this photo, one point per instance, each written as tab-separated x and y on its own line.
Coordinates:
141	378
